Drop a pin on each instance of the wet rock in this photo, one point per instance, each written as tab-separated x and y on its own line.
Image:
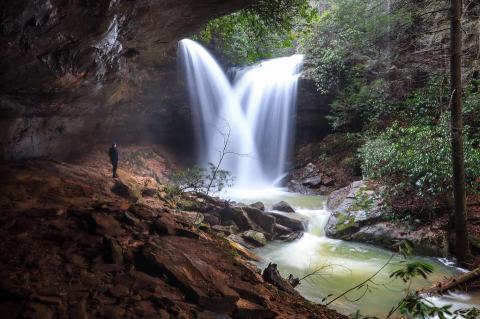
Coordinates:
312	182
238	216
255	237
258	205
352	207
280	230
388	235
260	218
283	207
291	237
293	221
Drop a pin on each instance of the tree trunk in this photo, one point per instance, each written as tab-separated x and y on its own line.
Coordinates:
461	236
449	284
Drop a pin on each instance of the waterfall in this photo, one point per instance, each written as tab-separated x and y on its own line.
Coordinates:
256	111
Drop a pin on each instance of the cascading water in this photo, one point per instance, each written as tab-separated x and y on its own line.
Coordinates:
256	112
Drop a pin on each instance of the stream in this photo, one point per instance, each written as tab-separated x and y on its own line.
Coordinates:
343	264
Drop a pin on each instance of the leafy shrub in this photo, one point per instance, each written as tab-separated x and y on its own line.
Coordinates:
418	158
346	40
200	180
265	30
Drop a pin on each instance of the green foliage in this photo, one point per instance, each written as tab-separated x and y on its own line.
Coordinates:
263	31
200	180
415	306
413	269
346	41
418	158
427	103
361	103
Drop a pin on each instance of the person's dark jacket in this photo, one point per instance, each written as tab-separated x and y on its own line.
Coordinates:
113	153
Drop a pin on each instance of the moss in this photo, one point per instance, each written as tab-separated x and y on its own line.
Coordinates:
363	201
345	222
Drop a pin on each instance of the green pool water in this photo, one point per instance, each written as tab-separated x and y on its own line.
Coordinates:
343	264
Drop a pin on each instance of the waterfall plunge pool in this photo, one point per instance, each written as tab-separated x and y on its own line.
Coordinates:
344	264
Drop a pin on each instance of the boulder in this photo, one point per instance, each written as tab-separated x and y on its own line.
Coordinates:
283	207
280	230
238	216
228	230
255	237
352	207
312	182
291	237
389	234
258	205
295	222
211	219
260	218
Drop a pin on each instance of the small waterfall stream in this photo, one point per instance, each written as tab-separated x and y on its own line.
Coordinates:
257	110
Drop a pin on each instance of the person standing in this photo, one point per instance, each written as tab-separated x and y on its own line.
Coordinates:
113	153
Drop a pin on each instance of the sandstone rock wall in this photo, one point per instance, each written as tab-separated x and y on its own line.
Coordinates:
79	72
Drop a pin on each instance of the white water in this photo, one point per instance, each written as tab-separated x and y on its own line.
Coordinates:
258	107
256	111
346	264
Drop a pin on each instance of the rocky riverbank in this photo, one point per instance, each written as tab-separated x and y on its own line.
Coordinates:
357	215
78	244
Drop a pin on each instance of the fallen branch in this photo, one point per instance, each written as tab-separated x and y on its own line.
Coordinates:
452	283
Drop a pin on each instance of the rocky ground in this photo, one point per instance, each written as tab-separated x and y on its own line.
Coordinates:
325	166
78	244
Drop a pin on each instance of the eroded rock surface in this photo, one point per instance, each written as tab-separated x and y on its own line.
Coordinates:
76	73
72	248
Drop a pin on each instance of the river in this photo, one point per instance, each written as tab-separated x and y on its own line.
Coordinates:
343	264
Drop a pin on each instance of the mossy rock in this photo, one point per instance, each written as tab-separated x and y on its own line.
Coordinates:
341	225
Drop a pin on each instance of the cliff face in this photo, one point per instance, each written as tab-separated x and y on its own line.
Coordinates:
76	73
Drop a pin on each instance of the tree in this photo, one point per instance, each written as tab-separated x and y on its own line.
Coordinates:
461	235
